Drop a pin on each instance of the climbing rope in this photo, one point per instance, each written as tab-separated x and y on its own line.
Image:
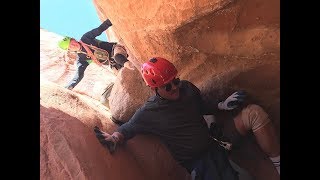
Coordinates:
93	57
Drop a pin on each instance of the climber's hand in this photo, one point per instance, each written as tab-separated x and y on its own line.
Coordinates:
106	139
232	101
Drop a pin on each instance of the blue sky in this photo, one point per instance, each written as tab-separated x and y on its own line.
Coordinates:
69	17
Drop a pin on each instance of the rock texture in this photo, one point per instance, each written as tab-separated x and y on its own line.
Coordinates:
70	150
128	94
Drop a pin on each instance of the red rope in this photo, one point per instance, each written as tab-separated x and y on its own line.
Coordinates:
91	54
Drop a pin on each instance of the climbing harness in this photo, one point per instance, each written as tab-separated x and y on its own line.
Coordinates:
94	58
101	54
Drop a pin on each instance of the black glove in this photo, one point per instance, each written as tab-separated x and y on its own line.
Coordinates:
111	145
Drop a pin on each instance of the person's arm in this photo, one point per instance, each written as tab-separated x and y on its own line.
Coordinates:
129	129
209	108
90	36
81	67
205	107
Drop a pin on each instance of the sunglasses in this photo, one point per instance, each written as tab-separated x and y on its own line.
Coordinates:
168	86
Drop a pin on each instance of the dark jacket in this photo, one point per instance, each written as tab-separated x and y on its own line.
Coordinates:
181	127
179	124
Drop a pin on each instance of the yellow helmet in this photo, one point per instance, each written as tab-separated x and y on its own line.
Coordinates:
64	43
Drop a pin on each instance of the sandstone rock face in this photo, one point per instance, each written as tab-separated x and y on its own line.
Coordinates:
128	94
68	146
70	150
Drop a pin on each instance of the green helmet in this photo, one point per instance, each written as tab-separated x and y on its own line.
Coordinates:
64	43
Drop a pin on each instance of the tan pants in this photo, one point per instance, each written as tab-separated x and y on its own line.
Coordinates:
254	117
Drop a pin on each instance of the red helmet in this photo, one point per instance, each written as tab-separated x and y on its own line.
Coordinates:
158	72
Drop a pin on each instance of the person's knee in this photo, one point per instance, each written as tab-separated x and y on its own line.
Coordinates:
254	117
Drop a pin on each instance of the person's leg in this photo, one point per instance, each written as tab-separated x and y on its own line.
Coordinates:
81	67
254	118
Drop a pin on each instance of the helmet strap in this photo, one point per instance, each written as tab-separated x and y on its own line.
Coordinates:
157	94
